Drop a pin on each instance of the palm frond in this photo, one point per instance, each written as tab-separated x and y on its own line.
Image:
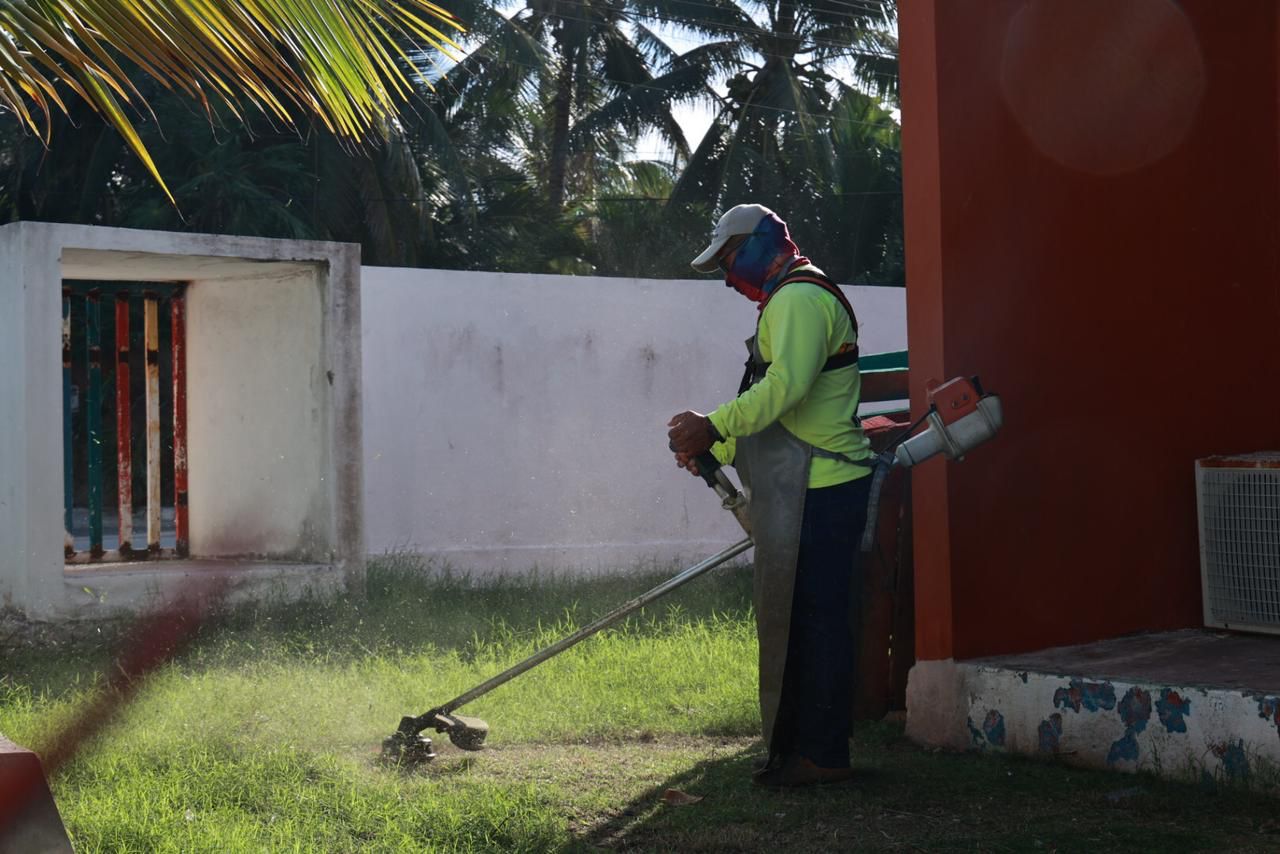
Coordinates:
700	180
710	17
654	47
431	132
508	57
854	17
671	132
622	62
876	64
717	57
335	60
645	105
650	178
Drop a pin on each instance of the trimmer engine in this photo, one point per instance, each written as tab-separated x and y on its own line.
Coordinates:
961	417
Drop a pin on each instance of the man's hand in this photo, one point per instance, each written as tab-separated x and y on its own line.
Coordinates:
687	462
691	433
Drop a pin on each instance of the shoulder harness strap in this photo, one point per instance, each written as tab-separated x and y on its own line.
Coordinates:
756	370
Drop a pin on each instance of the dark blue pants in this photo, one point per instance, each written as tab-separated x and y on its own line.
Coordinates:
815	715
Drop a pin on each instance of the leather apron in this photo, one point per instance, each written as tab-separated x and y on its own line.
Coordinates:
774	466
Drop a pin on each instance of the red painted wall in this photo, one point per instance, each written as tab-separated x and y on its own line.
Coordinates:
1093	207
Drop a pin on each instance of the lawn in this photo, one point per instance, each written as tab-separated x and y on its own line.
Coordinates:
263	736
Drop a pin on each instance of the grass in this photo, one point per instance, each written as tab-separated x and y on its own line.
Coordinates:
263	736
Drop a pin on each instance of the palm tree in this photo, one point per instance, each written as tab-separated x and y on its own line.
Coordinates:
634	233
339	61
596	75
856	214
786	130
779	91
483	155
66	182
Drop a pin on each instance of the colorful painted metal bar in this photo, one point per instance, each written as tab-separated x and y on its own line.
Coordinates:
124	434
68	458
151	333
178	333
93	419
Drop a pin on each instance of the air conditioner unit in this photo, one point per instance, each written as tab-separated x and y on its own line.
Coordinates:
1238	499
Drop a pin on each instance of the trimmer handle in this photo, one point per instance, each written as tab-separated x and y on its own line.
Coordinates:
731	499
708	465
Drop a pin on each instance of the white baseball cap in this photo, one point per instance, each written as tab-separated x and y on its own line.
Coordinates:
741	219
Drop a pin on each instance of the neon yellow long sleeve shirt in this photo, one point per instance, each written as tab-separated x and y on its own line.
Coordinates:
802	325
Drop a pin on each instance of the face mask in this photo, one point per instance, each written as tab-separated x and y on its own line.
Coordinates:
757	259
741	285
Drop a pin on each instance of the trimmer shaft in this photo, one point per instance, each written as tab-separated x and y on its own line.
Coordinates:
405	745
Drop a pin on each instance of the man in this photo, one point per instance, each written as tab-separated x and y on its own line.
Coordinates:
794	437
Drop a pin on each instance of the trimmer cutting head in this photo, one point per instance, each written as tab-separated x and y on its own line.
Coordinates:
407	750
406	746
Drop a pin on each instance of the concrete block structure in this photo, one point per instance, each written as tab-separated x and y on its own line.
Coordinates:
272	453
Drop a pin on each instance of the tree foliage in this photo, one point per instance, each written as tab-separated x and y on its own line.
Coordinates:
787	132
519	156
334	60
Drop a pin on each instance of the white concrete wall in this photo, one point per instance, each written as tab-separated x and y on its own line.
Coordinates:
30	417
513	421
257	409
13	424
273	406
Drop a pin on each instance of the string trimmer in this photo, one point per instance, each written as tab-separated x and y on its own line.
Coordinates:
407	745
960	417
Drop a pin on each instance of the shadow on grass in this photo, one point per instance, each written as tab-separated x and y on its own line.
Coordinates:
907	797
731	814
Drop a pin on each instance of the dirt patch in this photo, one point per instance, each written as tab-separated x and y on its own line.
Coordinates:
20	632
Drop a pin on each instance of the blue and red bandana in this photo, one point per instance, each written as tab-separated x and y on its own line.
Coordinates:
763	259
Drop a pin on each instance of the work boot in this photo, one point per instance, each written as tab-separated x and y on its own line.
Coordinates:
764	762
799	771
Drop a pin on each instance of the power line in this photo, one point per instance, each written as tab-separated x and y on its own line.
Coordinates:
871	9
427	197
713	25
851	195
629	85
666	69
679	20
838	49
756	106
